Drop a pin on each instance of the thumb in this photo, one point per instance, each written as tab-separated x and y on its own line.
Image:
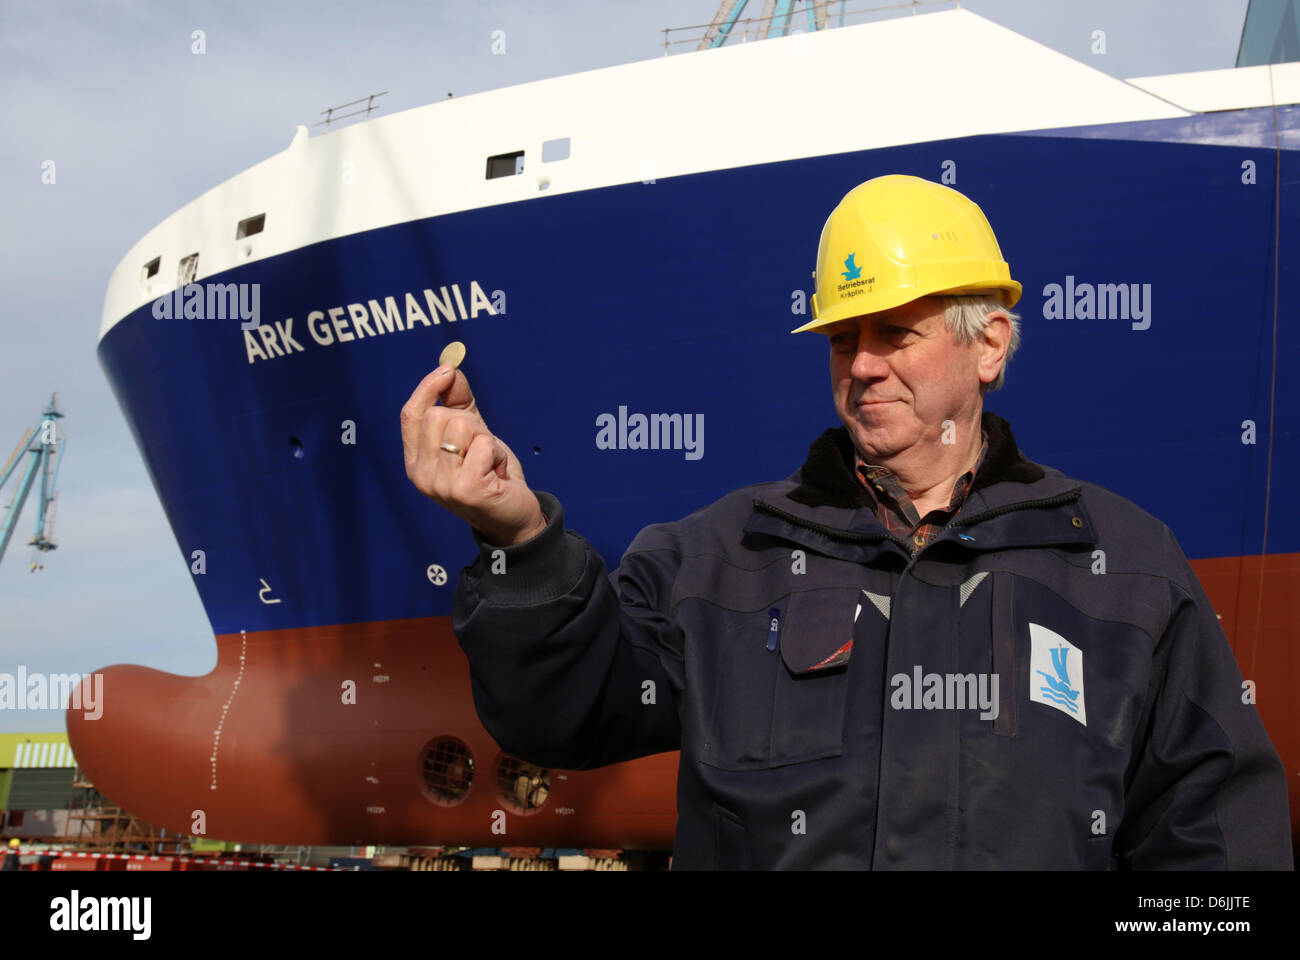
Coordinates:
457	395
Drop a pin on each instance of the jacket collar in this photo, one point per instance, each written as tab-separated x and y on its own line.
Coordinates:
828	478
824	507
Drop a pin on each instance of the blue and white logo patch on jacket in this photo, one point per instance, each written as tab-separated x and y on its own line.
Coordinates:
1056	673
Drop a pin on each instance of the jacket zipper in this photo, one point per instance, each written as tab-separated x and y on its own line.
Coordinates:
849	535
1060	498
821	528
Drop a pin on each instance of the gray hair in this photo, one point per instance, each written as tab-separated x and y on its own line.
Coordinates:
967	316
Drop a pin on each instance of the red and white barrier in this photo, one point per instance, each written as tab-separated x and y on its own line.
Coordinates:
197	860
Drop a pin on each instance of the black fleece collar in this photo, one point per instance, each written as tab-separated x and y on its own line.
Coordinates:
827	478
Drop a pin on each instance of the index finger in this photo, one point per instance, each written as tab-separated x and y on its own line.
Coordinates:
444	384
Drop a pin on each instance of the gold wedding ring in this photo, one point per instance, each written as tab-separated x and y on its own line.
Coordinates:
451	448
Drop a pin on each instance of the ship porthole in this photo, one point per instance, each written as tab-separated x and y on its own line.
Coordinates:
522	787
446	771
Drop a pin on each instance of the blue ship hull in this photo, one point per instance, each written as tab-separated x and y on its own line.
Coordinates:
677	297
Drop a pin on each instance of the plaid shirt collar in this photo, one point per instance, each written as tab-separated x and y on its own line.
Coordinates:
895	508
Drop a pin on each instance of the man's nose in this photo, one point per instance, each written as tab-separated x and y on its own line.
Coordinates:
870	363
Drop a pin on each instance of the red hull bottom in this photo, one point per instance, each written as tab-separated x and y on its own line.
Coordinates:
322	736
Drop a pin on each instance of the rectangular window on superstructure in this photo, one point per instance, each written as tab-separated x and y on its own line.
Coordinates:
250	226
189	269
505	165
151	268
553	150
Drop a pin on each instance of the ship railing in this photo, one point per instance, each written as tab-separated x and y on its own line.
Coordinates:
333	117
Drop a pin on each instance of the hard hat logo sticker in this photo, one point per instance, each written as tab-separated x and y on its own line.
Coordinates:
854	283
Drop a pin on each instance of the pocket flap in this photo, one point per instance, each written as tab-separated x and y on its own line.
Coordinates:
818	627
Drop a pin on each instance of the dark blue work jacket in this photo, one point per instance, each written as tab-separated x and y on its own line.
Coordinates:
1045	685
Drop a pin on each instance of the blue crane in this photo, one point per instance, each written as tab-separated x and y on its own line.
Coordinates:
775	20
39	445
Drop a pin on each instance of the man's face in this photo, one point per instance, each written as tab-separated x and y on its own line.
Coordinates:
898	375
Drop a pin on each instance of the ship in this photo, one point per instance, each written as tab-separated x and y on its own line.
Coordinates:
637	241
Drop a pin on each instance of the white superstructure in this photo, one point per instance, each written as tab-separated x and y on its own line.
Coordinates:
912	79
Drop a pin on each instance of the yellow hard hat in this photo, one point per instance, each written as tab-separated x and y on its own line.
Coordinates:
15	842
897	238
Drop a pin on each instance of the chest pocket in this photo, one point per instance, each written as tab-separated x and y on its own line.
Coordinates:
773	707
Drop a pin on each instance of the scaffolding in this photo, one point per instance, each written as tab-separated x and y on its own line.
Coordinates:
96	825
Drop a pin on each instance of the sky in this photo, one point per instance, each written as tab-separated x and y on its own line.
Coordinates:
138	126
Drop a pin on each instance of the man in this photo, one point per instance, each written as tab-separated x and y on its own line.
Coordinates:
12	861
921	650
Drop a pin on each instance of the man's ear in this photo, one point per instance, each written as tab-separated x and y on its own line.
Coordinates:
994	343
